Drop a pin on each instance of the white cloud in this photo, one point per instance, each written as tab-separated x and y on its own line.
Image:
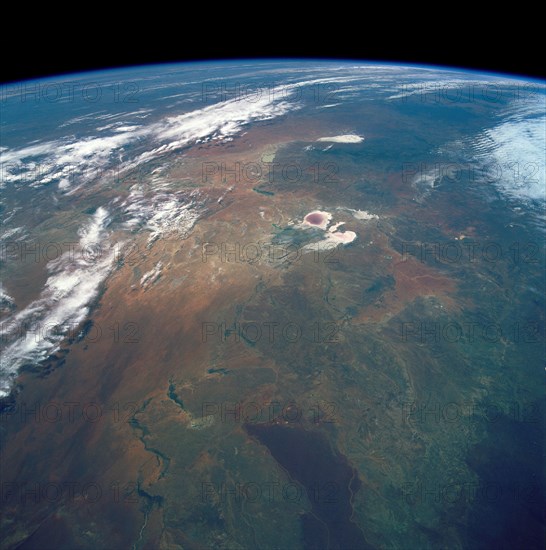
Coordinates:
36	331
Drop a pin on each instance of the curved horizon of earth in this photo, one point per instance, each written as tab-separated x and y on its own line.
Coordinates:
214	272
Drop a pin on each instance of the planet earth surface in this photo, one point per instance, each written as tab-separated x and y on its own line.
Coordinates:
273	304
